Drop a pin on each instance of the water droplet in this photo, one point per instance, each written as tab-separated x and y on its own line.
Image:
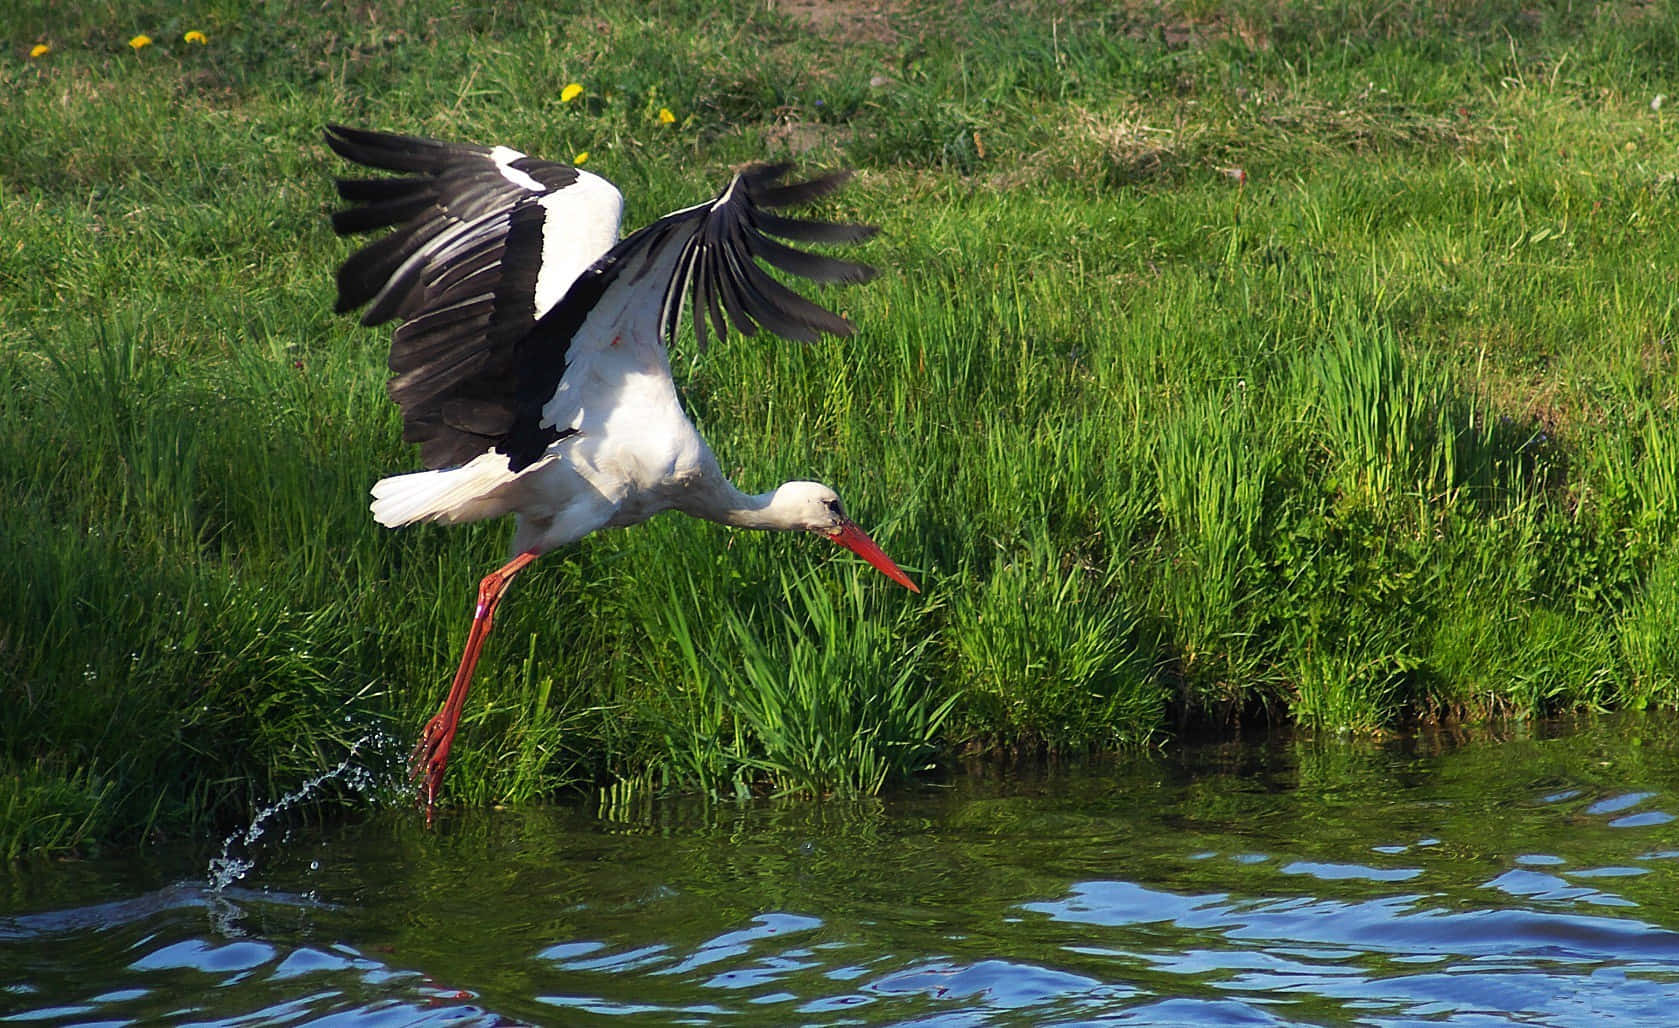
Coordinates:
229	867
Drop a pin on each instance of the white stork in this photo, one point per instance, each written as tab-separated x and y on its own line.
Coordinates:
530	360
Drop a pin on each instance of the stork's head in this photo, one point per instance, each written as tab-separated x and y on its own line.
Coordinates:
814	507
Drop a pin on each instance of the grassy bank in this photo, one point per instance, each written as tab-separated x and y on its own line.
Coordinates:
1231	360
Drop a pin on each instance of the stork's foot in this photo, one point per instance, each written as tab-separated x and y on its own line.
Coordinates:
430	759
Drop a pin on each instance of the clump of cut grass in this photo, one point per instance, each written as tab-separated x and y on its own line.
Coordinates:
1349	683
1213	476
1382	417
1047	655
820	696
1648	636
52	809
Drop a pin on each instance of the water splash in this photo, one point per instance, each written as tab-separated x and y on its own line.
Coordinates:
237	857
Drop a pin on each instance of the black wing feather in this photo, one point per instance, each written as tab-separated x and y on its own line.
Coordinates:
728	279
793	194
389	151
783	311
365	273
817	267
378	211
804	231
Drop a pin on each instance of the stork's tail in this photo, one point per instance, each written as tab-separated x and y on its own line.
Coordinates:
471	492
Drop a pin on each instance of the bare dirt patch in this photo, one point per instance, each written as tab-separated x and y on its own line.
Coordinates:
847	21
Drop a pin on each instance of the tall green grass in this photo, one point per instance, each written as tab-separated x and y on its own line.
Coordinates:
824	697
1380	430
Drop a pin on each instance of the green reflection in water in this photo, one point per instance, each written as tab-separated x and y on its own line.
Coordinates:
1310	880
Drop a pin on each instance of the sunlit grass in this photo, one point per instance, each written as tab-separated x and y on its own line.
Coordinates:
1291	359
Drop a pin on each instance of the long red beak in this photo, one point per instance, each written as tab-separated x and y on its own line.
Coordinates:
857	541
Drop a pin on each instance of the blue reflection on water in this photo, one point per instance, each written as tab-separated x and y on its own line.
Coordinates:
1224	899
1502	965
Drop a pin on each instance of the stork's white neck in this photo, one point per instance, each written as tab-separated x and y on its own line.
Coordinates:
729	506
791	507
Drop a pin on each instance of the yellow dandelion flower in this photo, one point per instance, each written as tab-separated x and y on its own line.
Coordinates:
665	117
571	92
581	158
196	36
40	50
142	40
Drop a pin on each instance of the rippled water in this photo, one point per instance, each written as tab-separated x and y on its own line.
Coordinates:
1526	880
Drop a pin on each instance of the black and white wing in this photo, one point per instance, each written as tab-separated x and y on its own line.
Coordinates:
705	256
505	271
486	241
717	244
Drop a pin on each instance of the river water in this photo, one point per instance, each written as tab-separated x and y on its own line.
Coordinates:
1524	878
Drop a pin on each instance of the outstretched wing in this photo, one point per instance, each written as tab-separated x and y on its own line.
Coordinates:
486	241
707	256
716	267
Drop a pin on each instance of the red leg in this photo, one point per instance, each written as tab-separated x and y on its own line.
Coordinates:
431	753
